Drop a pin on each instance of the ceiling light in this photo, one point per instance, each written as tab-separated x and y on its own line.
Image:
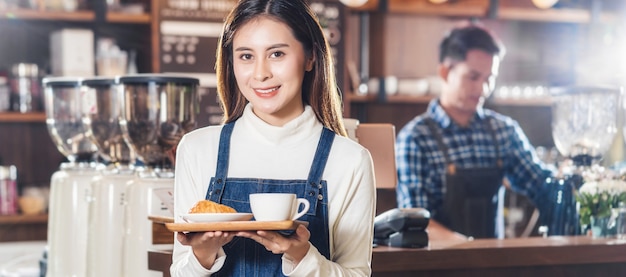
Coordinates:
544	4
353	3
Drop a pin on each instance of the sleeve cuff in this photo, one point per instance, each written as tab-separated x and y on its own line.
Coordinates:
217	265
290	268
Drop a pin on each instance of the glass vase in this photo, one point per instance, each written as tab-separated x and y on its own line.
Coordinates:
600	227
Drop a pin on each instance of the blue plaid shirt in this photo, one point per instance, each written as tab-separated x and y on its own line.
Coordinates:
421	164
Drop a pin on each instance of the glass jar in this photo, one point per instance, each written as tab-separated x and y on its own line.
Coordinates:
158	110
67	104
584	121
25	88
101	120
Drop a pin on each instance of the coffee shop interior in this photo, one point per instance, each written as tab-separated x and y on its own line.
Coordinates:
386	56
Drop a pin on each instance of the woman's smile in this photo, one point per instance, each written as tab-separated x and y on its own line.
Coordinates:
267	92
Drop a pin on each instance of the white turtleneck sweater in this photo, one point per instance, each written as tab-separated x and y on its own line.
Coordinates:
260	150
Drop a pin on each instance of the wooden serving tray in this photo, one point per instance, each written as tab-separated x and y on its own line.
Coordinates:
235	226
161	219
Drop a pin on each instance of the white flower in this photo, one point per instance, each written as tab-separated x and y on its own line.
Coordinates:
589	188
612	186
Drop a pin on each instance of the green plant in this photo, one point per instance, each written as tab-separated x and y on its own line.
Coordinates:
596	199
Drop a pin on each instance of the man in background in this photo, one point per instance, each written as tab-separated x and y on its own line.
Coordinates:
452	159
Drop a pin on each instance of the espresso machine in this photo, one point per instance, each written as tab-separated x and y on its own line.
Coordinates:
158	110
584	125
106	208
66	104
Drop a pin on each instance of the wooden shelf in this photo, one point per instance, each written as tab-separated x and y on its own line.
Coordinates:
361	98
23	227
480	8
13	117
551	15
27	14
23	219
424	99
396	98
468	8
416	99
116	17
529	102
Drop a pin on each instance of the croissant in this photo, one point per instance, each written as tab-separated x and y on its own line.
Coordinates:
208	206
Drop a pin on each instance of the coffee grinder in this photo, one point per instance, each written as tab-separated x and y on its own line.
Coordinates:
66	104
106	208
584	125
158	110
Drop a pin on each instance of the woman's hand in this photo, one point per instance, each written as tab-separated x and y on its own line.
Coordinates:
205	245
295	245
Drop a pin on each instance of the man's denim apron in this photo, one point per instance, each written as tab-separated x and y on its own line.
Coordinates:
473	202
246	257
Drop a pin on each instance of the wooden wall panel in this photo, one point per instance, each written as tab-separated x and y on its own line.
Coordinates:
29	147
397	114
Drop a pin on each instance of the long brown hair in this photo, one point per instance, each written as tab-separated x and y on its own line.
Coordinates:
319	87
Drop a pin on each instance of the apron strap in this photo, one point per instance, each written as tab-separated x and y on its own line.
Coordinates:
432	125
316	187
321	156
490	123
223	156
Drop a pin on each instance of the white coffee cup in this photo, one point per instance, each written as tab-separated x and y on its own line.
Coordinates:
277	206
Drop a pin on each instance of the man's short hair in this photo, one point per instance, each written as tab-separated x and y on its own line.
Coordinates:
460	40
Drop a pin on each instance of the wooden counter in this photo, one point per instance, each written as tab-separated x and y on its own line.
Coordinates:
553	256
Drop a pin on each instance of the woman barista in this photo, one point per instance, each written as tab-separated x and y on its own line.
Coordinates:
283	132
452	159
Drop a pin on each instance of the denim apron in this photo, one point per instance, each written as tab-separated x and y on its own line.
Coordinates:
472	202
246	257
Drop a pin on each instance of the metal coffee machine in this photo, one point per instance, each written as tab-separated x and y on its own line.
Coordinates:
66	104
106	207
584	125
158	110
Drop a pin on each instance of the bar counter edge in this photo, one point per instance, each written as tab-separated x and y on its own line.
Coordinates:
534	256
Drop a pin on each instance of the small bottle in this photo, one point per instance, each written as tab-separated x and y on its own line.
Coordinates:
8	190
5	94
132	62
